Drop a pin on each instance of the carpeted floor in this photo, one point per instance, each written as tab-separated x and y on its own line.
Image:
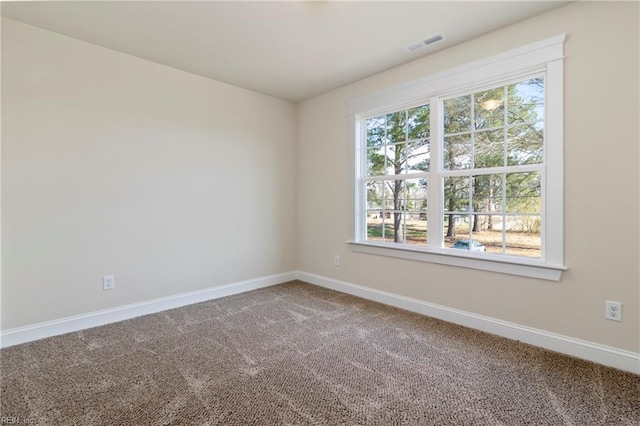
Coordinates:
296	354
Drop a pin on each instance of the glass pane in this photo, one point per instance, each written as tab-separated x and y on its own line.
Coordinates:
489	149
523	236
456	227
523	192
389	234
457	152
525	144
380	226
393	222
418	122
375	131
489	108
487	193
468	244
396	127
457	115
374	225
471	233
388	200
526	100
394	194
487	230
375	161
416	194
417	156
414	225
396	157
375	195
456	194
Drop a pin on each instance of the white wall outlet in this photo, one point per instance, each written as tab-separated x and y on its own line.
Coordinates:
336	260
613	311
108	282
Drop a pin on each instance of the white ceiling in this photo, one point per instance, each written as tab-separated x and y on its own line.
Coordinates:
292	50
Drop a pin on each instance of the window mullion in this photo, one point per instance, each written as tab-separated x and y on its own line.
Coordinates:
360	133
471	178
435	207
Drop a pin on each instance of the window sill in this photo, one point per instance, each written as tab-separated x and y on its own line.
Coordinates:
485	262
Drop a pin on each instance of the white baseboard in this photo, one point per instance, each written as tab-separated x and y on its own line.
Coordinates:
605	355
41	330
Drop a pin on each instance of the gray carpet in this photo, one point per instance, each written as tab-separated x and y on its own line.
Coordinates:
296	354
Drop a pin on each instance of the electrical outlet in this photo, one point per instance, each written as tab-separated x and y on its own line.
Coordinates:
108	282
336	260
613	311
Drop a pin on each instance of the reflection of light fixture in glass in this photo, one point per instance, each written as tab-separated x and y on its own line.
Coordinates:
491	104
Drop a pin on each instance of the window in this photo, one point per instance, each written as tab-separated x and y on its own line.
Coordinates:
492	167
397	157
465	167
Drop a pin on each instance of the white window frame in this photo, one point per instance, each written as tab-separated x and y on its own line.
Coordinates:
544	57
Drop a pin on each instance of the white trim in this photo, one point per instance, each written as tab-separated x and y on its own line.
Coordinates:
601	354
483	261
553	186
519	60
42	330
357	127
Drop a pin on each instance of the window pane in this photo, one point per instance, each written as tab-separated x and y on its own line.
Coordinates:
523	192
416	194
374	225
489	149
526	100
457	115
523	236
456	227
415	216
487	231
394	194
525	144
375	161
395	158
489	108
375	195
396	127
474	233
456	194
414	227
375	131
487	193
380	226
393	221
418	122
403	219
417	156
457	152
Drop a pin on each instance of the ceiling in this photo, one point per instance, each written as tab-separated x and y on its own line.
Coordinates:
292	50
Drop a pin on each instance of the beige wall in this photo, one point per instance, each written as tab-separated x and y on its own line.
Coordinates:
116	165
601	185
172	182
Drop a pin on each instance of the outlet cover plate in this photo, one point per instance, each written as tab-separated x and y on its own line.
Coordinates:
108	282
613	311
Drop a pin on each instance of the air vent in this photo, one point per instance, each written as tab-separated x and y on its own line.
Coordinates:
422	43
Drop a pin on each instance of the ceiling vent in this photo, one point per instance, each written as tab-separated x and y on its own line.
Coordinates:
422	43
